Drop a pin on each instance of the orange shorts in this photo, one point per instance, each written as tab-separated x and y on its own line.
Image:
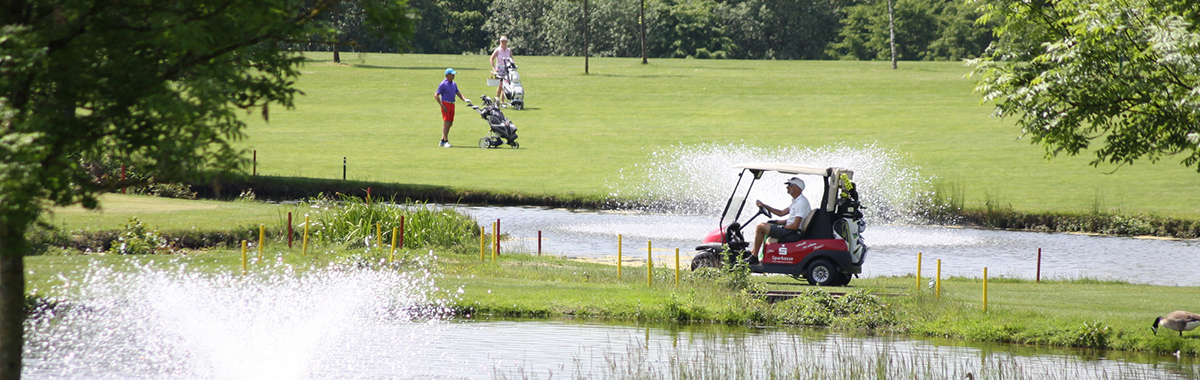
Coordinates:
447	111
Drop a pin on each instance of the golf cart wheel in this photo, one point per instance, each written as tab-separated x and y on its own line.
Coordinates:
845	280
822	273
485	142
706	260
515	145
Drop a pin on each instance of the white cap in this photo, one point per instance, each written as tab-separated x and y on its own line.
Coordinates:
796	181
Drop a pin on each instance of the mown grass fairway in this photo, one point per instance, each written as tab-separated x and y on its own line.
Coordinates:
580	131
175	214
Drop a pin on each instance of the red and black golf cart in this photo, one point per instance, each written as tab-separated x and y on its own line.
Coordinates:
827	250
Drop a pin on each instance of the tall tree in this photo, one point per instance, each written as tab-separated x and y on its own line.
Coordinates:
1121	77
157	80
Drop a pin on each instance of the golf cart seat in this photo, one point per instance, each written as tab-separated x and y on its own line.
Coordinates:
796	235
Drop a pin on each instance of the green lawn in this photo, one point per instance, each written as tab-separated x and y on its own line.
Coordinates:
168	214
581	131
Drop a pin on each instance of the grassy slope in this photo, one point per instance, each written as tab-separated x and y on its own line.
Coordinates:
174	214
580	130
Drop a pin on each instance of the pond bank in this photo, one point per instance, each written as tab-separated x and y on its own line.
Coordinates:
1080	313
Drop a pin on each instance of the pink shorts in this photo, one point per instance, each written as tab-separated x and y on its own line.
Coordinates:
447	111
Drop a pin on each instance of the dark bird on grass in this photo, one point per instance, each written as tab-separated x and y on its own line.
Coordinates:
1178	320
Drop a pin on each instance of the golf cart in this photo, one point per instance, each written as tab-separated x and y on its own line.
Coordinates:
827	250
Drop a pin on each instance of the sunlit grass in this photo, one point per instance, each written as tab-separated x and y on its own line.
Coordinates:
580	131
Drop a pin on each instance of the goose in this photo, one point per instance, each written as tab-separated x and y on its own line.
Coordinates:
1178	320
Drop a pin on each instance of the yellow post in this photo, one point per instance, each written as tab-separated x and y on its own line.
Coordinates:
482	240
649	265
379	234
262	233
939	278
495	240
918	271
395	231
676	266
304	249
984	289
243	257
618	256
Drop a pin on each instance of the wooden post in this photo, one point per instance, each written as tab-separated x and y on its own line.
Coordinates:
392	258
649	264
482	240
918	271
1039	267
676	266
243	257
618	256
939	278
290	232
262	234
984	289
304	244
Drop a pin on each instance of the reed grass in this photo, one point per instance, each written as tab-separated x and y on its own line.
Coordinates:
781	354
353	220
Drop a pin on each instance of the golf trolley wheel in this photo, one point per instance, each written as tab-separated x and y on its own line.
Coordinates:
822	273
485	142
515	145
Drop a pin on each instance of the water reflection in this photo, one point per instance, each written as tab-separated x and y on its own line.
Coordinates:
558	349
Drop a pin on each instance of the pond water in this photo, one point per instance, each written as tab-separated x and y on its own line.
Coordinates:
893	248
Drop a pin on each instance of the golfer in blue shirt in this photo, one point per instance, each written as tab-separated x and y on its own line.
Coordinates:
445	97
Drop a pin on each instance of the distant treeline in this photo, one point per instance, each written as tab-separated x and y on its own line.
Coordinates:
742	29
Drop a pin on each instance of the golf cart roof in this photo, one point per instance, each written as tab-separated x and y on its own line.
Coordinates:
784	168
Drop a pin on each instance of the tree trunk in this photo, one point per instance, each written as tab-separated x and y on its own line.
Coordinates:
892	31
337	58
642	24
586	30
12	299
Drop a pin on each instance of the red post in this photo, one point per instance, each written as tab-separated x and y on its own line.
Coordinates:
289	229
401	245
368	196
1039	266
539	243
122	178
497	239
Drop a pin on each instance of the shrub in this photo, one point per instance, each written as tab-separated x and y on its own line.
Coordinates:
136	239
